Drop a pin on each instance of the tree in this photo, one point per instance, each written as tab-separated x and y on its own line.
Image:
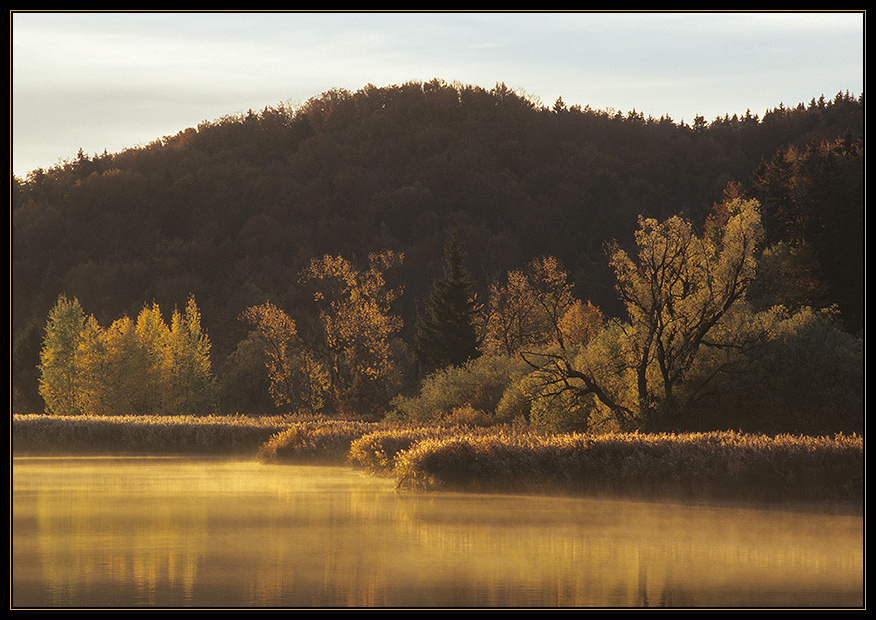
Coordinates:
806	377
296	378
359	328
146	360
447	333
25	368
580	323
131	368
92	367
676	291
245	384
58	373
192	386
813	200
130	382
527	310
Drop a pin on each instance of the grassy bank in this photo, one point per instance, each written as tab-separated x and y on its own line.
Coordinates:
314	442
213	435
700	467
707	467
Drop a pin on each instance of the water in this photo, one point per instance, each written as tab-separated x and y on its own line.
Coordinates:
184	532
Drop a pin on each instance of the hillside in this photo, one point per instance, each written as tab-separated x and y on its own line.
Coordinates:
232	210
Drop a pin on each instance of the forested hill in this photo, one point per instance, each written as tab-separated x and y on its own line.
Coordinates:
232	210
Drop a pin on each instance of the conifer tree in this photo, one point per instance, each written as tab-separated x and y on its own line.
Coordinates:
447	333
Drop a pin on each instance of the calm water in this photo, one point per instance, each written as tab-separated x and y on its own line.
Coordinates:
172	532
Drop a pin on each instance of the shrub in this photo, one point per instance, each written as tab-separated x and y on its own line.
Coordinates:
808	378
480	384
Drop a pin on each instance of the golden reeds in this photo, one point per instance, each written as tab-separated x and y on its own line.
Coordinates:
214	435
713	466
722	466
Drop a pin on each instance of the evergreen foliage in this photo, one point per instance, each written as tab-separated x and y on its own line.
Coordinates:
447	332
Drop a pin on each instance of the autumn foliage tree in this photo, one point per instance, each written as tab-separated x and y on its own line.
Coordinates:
680	287
359	341
297	378
132	367
238	207
193	389
59	378
677	289
528	308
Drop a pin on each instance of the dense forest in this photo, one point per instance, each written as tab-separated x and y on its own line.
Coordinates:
233	212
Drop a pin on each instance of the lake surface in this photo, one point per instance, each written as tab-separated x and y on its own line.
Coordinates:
189	532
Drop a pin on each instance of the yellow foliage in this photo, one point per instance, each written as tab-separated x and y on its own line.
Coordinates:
527	309
143	366
355	309
296	377
580	323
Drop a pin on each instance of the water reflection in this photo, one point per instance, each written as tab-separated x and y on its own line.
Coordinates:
173	532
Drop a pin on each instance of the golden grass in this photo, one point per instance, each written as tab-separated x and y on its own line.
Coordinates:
376	452
326	441
722	466
716	466
214	435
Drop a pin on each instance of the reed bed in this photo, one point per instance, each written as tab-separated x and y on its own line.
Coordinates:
211	435
376	452
314	442
710	467
722	466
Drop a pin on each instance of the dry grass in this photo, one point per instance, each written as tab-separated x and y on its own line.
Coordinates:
326	441
377	452
214	435
718	466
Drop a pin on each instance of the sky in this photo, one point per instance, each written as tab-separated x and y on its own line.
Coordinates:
108	81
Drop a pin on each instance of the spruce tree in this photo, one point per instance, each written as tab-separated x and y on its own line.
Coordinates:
447	333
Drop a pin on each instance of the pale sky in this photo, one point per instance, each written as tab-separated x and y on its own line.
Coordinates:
107	81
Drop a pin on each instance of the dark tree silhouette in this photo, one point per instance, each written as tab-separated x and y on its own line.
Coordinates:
447	333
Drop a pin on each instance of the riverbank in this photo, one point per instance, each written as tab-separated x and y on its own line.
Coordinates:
823	472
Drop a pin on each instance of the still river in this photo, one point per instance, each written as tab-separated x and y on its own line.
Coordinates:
189	532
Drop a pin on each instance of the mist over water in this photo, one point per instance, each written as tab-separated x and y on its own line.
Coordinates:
180	532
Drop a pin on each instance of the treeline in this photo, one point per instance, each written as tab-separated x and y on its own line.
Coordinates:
704	344
132	367
235	211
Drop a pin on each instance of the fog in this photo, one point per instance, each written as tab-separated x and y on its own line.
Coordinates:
194	533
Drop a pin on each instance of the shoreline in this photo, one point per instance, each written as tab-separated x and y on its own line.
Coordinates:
824	475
